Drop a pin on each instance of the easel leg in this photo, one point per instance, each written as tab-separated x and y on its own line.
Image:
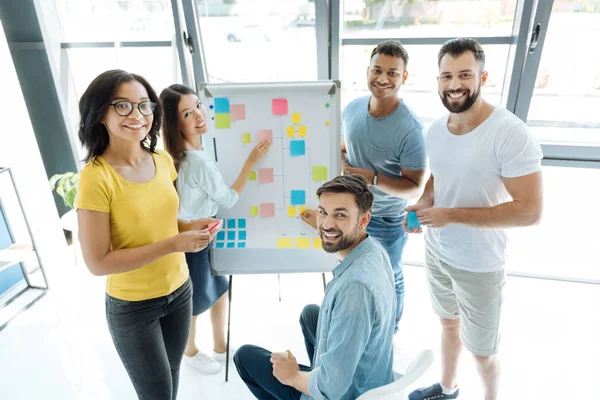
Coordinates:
279	285
324	283
228	329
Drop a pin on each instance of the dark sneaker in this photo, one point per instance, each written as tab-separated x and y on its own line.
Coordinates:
433	392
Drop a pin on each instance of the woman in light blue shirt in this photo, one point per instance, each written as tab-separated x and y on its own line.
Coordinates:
202	191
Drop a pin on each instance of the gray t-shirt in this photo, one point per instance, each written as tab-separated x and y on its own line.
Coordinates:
384	145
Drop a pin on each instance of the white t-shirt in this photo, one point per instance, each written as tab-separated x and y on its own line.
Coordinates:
468	171
201	187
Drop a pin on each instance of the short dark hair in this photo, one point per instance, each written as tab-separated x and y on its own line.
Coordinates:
173	139
354	184
391	48
94	104
459	46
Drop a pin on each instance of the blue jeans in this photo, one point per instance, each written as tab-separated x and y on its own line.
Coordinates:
392	237
150	337
255	368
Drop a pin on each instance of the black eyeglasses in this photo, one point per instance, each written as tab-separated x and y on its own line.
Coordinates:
124	108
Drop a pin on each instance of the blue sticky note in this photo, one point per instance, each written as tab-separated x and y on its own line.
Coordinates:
412	222
241	245
297	148
231	235
221	235
298	197
220	245
231	224
242	223
231	245
242	235
221	105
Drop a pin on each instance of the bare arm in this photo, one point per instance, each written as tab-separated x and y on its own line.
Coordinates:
94	235
255	156
525	209
408	186
345	163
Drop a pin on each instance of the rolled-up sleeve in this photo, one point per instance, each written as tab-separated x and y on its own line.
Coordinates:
351	316
208	178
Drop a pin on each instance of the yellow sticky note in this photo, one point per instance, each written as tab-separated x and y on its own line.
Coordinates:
326	123
289	131
302	130
222	121
317	243
247	138
295	118
252	176
302	209
284	243
292	211
303	243
319	173
254	211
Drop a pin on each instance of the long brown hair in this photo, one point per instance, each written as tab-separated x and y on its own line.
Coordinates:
173	139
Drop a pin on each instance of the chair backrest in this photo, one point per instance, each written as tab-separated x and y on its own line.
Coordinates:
395	390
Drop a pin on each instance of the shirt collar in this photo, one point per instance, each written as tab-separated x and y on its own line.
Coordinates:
356	252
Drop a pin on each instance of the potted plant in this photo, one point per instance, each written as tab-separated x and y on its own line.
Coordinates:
66	187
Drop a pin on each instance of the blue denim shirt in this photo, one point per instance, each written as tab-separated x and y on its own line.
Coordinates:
356	326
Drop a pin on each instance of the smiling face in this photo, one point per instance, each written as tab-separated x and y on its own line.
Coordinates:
460	81
135	126
340	223
385	76
191	116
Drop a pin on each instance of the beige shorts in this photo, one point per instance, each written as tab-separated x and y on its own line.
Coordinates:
475	298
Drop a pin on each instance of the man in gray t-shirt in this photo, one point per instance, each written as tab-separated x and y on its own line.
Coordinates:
383	140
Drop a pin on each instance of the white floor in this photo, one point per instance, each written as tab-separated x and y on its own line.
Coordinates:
61	349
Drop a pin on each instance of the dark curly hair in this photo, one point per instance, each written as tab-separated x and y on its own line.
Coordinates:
94	104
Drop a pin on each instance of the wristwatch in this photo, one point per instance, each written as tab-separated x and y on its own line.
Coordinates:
374	183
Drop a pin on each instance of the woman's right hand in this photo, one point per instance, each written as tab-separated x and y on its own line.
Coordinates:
259	152
192	241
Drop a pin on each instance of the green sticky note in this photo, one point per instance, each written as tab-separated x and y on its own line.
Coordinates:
254	211
252	176
247	138
319	174
223	121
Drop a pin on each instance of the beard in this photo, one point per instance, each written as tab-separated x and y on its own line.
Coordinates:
343	243
468	102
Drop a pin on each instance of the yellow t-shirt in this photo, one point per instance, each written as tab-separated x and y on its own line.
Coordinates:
140	214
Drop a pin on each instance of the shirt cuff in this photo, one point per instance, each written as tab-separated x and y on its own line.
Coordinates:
313	385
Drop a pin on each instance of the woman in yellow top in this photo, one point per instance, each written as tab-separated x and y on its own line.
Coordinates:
129	231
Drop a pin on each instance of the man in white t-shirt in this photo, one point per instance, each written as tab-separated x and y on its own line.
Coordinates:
485	176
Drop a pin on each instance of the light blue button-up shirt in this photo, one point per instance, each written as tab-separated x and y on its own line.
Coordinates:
356	326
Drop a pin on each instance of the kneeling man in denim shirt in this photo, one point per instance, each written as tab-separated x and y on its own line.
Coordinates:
348	338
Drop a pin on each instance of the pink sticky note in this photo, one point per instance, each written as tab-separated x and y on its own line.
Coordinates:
265	175
238	112
267	210
280	107
266	134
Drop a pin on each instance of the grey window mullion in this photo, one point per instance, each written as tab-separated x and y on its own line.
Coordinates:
323	38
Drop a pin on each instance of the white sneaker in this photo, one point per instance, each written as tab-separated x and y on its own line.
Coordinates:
222	356
203	363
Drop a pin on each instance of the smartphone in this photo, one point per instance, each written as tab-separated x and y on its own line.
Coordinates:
215	226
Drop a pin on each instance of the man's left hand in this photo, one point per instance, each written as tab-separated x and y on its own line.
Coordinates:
366	174
434	217
285	369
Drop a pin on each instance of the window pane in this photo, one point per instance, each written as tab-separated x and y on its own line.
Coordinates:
428	18
564	243
109	20
277	42
420	89
566	98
